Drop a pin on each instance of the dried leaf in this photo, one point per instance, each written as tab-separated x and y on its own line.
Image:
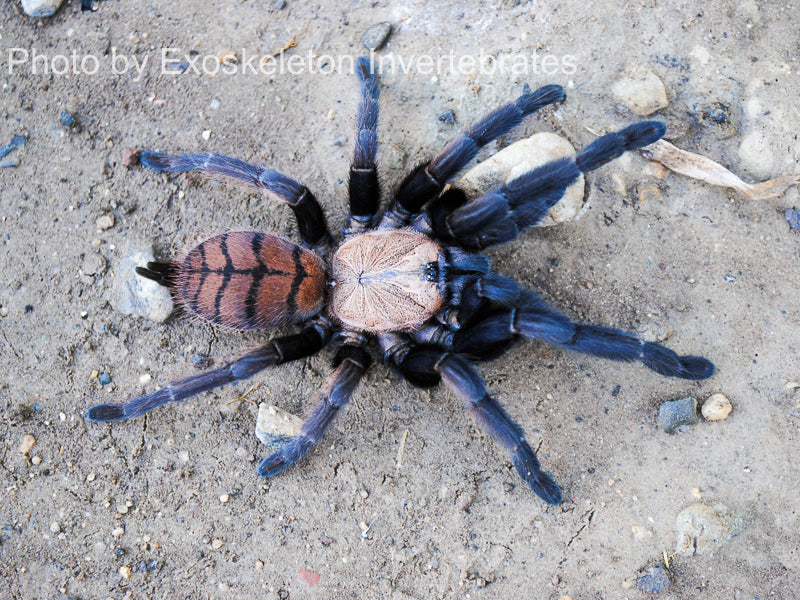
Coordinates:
705	169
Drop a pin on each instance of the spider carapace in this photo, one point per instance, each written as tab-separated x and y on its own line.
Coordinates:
410	282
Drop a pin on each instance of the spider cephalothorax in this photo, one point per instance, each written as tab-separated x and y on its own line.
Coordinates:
412	280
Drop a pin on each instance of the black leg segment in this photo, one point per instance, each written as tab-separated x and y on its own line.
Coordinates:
310	219
310	341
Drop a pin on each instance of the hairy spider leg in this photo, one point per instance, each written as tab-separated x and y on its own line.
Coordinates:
425	365
364	190
491	335
310	218
351	362
310	340
427	180
501	214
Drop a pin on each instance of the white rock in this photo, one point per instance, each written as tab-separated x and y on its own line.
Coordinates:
521	157
40	8
756	155
716	408
136	295
704	528
275	424
643	95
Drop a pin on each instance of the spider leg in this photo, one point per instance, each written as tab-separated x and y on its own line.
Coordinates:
365	191
425	365
352	361
312	339
501	214
307	211
532	318
428	179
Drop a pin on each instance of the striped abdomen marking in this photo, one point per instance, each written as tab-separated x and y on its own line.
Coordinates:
250	280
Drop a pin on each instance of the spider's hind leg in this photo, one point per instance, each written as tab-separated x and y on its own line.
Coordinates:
351	362
425	365
280	350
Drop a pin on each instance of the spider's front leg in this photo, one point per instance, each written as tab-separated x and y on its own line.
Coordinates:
501	214
308	213
351	362
428	179
425	365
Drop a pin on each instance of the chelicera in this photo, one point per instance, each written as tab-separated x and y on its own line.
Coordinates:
409	283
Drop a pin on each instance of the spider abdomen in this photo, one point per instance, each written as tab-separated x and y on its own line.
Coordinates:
386	281
250	280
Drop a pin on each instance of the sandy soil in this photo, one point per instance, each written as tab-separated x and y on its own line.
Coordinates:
134	510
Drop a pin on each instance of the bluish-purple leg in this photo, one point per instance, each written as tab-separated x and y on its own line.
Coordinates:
365	192
310	341
352	362
307	211
426	181
490	335
501	214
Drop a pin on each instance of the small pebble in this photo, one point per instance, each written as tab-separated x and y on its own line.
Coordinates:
206	135
465	501
27	443
125	572
224	498
105	221
40	8
447	116
756	154
118	532
309	577
279	4
217	544
122	509
676	415
655	580
55	527
375	37
364	494
36	460
642	95
91	477
146	378
130	157
104	378
703	528
67	119
260	565
716	408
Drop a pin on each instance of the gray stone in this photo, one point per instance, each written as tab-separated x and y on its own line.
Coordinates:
676	415
704	528
375	37
136	295
40	8
275	425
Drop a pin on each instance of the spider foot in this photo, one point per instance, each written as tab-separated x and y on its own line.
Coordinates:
106	412
527	465
284	458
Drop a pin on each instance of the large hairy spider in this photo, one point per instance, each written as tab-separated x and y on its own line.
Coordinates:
411	282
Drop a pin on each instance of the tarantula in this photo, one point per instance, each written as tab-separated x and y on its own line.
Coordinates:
411	281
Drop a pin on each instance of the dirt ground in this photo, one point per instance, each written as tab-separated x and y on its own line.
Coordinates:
170	506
